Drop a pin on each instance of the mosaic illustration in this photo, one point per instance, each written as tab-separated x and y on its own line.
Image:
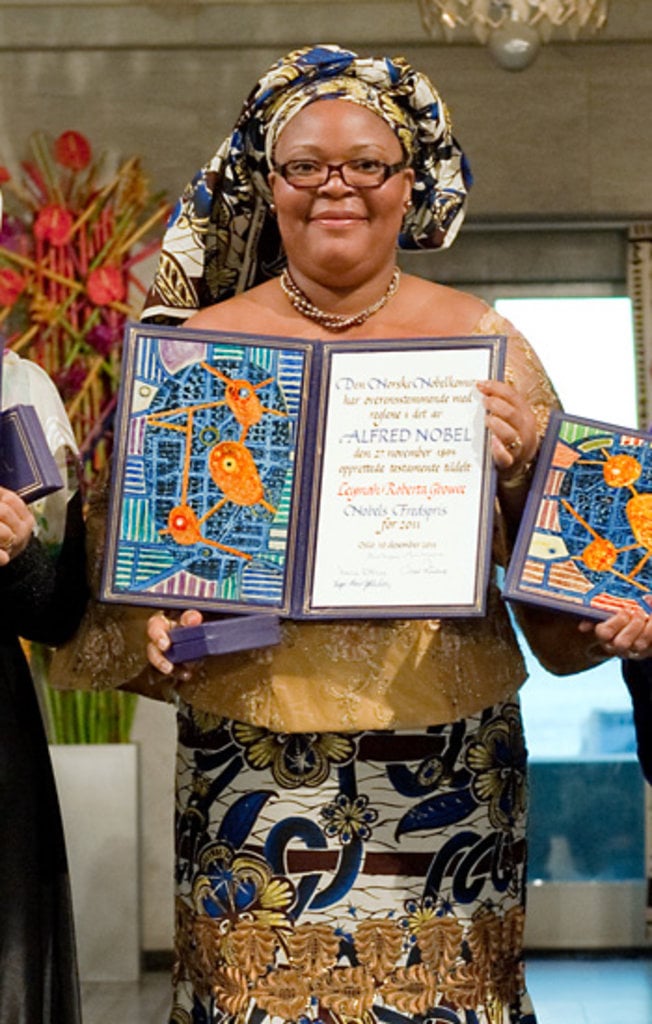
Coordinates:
586	539
204	484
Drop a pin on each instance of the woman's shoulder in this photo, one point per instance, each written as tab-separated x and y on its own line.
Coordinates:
248	311
440	308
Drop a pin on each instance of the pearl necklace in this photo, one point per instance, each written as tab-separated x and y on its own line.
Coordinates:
334	321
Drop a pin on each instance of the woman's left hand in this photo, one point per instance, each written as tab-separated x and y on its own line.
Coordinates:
624	635
16	525
514	438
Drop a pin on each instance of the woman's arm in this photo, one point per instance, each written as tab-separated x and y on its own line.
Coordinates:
555	637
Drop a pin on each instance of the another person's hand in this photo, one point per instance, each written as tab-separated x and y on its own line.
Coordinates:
514	437
16	525
624	635
158	637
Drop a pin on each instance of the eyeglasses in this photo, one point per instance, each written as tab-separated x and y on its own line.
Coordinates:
363	173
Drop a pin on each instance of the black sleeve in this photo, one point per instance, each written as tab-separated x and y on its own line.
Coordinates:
638	676
43	597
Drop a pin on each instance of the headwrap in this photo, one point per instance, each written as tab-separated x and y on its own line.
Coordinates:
221	237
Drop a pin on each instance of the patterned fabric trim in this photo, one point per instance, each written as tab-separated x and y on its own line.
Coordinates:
370	877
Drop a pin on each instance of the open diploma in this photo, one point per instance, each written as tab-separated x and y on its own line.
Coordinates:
402	509
305	478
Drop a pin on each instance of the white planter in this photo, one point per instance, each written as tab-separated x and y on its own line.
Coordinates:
98	793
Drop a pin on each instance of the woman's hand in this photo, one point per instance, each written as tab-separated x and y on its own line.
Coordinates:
158	637
514	438
16	525
624	635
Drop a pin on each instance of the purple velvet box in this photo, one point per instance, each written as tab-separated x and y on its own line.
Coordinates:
223	636
27	465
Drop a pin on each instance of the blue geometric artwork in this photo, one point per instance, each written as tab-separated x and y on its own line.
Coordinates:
585	542
204	470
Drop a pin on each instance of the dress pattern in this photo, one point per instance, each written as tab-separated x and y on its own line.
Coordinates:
331	877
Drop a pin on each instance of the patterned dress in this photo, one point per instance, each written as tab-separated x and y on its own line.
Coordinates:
372	876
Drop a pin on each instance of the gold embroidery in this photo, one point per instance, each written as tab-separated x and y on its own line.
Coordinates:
230	989
283	993
496	945
439	940
348	991
411	989
253	947
245	961
313	948
465	987
378	945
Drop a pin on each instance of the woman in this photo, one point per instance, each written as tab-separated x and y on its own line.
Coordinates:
43	593
350	830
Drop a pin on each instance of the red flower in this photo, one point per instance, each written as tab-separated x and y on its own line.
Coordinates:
105	285
4	175
53	224
72	150
11	286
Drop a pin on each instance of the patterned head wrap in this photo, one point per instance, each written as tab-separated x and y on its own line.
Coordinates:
222	238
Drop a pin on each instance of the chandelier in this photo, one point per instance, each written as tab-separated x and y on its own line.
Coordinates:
513	30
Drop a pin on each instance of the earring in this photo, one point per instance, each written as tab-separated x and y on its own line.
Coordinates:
272	209
407	205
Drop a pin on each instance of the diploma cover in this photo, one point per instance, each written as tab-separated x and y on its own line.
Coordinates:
308	479
585	539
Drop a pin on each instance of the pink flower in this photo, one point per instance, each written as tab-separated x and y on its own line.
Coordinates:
11	286
53	224
14	236
70	380
102	338
105	285
72	150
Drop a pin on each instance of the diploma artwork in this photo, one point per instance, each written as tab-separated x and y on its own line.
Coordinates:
585	539
310	479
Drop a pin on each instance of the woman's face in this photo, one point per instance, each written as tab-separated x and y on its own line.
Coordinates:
334	233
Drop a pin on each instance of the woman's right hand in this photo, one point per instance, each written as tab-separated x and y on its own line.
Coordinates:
626	634
16	525
158	637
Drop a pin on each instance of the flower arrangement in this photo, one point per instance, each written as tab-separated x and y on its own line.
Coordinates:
71	241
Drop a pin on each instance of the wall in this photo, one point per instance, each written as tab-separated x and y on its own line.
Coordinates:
564	145
568	138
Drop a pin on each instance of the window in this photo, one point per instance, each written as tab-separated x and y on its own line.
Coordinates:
586	345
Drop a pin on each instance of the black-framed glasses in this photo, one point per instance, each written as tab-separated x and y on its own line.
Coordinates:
362	173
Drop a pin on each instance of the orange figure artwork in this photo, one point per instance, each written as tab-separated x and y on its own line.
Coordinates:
586	538
209	470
